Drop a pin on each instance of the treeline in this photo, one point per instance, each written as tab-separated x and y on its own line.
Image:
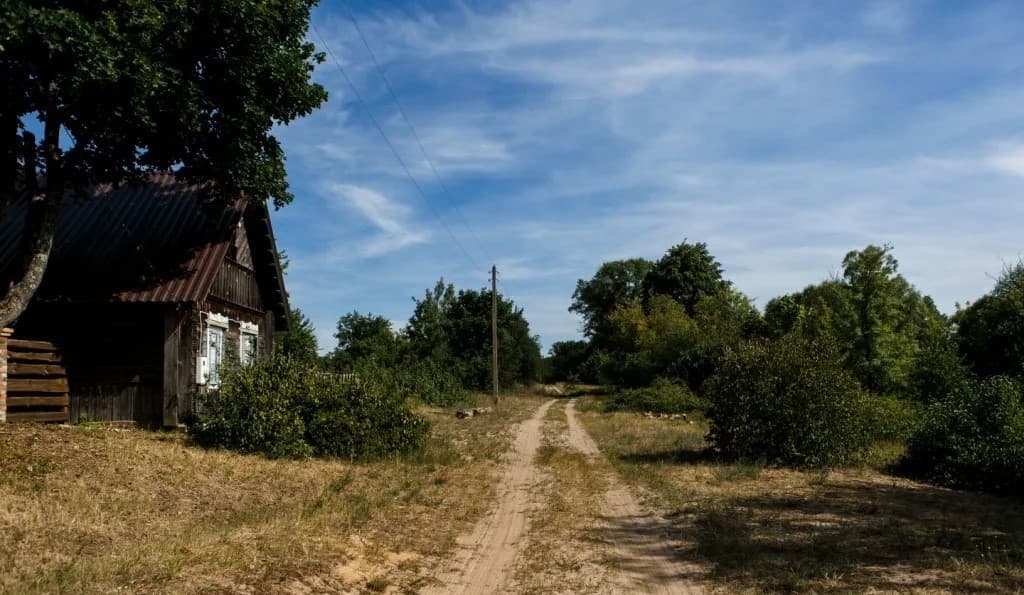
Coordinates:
822	373
442	352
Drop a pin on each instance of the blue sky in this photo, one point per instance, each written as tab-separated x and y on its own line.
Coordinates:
783	134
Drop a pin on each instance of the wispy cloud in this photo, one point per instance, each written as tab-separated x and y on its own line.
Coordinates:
389	217
574	132
1009	158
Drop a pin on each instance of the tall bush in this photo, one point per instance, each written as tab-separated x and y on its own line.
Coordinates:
973	438
786	401
284	408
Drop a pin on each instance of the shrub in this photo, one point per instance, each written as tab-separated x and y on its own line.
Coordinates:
890	419
431	383
255	410
973	438
661	397
786	401
284	408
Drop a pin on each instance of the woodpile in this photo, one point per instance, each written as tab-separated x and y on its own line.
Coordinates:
464	413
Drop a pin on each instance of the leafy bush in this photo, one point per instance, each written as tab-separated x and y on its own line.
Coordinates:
662	397
256	410
786	401
938	371
431	383
973	438
283	408
890	419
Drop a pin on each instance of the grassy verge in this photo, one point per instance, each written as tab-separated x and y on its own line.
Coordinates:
765	529
95	510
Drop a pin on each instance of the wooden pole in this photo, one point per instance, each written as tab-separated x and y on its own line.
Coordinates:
494	331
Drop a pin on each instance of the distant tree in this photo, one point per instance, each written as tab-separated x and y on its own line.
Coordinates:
879	323
686	273
363	337
300	341
192	86
454	331
426	330
615	284
892	319
468	332
990	332
568	360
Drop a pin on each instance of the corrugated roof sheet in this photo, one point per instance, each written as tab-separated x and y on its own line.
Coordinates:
154	242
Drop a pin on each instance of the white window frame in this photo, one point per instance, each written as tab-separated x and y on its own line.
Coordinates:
207	374
246	330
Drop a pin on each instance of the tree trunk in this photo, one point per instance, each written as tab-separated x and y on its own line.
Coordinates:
40	227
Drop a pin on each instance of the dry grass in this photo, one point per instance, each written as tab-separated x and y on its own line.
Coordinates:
97	510
776	530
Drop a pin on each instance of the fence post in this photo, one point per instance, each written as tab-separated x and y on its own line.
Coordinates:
4	335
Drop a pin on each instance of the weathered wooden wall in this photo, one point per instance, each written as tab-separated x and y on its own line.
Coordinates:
113	354
37	384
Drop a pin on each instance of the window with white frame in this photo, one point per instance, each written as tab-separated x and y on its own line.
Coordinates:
248	343
216	329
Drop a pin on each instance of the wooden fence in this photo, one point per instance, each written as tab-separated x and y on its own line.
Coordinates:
37	384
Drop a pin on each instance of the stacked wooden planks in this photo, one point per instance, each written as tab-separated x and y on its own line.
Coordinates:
37	384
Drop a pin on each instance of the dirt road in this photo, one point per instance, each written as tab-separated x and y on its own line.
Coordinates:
639	552
486	556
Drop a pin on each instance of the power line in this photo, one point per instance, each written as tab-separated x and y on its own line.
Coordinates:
408	122
394	151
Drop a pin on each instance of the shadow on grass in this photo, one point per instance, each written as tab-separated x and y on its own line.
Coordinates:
843	534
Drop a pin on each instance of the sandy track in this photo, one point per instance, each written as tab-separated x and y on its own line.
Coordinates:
643	552
486	556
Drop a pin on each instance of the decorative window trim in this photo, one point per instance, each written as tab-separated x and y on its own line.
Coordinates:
248	331
220	320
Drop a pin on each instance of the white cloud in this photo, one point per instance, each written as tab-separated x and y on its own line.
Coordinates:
389	217
887	15
1009	158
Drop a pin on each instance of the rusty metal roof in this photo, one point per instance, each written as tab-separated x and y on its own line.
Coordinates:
154	242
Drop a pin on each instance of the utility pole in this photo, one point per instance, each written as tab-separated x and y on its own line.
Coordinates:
494	331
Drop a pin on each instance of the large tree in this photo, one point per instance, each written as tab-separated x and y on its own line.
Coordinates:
686	273
991	330
124	87
454	330
878	321
615	284
363	337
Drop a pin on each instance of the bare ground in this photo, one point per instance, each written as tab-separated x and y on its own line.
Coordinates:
638	553
485	556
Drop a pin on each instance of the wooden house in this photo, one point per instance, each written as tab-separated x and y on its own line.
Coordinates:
149	293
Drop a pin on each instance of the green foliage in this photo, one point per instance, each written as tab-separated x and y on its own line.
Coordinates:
365	418
889	418
878	321
570	361
616	284
363	337
686	273
299	343
281	407
973	438
991	330
454	331
938	370
787	401
663	396
665	341
194	86
431	383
